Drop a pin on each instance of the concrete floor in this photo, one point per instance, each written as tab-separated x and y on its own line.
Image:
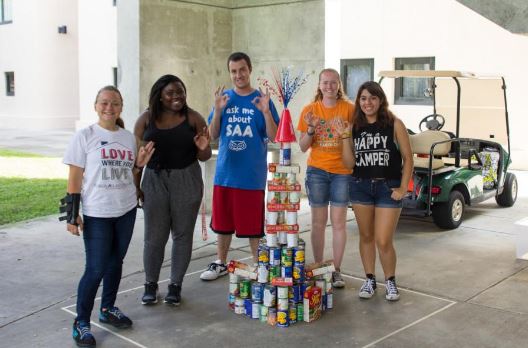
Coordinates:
460	288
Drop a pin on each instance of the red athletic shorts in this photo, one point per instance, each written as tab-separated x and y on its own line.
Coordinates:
238	211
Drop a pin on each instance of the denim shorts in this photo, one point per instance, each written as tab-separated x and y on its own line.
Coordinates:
323	187
375	192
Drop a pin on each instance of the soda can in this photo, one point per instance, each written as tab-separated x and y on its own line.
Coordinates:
262	274
248	306
292	312
257	290
300	312
329	301
270	296
234	289
282	291
245	288
298	272
287	257
274	256
286	271
298	254
263	313
282	318
282	304
272	316
255	310
263	255
274	272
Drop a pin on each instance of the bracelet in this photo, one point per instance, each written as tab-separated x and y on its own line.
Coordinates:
310	133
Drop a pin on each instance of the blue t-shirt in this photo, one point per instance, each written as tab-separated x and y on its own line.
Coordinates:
242	150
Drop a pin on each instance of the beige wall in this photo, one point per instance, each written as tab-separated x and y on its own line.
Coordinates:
45	65
457	37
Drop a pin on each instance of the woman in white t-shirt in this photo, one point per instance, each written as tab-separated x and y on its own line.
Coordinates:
102	158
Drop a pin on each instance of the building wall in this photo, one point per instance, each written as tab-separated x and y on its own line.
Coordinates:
45	65
457	37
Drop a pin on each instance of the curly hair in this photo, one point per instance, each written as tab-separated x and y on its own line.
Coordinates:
385	118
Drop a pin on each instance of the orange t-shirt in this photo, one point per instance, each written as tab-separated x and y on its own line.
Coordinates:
326	145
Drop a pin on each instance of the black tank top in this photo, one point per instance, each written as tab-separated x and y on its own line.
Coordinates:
175	148
377	155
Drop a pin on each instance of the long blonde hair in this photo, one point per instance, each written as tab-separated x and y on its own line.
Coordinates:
340	93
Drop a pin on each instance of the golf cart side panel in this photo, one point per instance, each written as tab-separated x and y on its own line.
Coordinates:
467	181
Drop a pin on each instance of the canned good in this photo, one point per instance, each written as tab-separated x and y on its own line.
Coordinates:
255	310
274	256
271	239
324	302
283	237
269	296
281	218
263	255
245	288
262	274
329	301
234	278
298	271
231	302
292	237
300	312
277	178
294	197
287	257
240	310
285	154
282	304
257	290
298	253
292	313
272	316
284	197
282	318
248	305
234	289
296	293
263	313
282	292
286	271
274	272
291	178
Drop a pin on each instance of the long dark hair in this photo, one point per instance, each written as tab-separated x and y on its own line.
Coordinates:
340	93
385	116
155	106
110	88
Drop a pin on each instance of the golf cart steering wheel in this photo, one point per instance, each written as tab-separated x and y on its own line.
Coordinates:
432	122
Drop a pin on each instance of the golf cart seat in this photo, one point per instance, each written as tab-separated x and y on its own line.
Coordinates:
421	147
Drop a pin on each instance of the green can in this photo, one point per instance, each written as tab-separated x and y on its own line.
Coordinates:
263	313
287	257
300	312
274	272
245	288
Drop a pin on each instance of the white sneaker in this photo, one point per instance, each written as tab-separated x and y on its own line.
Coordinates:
391	291
368	288
214	270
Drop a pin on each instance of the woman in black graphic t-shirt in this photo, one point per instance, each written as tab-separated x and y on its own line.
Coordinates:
377	148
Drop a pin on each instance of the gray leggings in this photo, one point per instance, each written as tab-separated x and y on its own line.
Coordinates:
171	205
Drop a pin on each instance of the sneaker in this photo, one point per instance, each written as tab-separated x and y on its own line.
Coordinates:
337	280
150	296
113	316
368	288
173	297
215	270
391	291
82	335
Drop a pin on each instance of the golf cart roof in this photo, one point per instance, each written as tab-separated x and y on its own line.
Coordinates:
426	73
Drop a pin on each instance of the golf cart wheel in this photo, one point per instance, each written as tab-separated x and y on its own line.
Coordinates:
448	215
509	193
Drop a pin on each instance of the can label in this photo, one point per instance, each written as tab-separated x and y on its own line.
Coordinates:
296	293
321	283
234	289
274	272
263	255
287	256
282	318
292	311
274	256
234	278
298	271
286	271
282	304
269	297
257	290
300	312
245	288
298	254
263	313
272	316
285	157
248	305
329	301
282	292
255	310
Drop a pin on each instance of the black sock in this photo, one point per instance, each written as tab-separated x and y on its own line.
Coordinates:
371	276
393	278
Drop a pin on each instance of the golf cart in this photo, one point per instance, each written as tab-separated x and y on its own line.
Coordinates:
462	150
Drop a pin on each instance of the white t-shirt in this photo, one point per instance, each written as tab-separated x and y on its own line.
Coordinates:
108	158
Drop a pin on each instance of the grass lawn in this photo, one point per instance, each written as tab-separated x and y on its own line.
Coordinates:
22	199
16	153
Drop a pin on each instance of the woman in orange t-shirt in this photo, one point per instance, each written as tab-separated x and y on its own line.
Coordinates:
326	177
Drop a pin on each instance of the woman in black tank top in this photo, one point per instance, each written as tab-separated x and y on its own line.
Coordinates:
172	186
378	150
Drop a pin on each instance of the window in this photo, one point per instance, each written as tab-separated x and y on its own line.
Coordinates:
10	83
412	91
114	75
354	72
6	11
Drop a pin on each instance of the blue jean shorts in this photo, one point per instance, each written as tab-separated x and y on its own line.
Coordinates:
376	192
323	187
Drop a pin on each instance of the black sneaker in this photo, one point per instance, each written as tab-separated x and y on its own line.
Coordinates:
113	316
151	293
173	297
391	290
368	288
214	270
82	335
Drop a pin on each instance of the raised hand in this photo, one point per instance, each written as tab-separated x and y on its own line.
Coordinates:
341	127
221	99
144	154
262	102
311	119
201	139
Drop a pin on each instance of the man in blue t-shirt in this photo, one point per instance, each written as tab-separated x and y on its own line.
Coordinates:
245	120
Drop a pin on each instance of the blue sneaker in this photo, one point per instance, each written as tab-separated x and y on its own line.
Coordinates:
82	335
114	317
